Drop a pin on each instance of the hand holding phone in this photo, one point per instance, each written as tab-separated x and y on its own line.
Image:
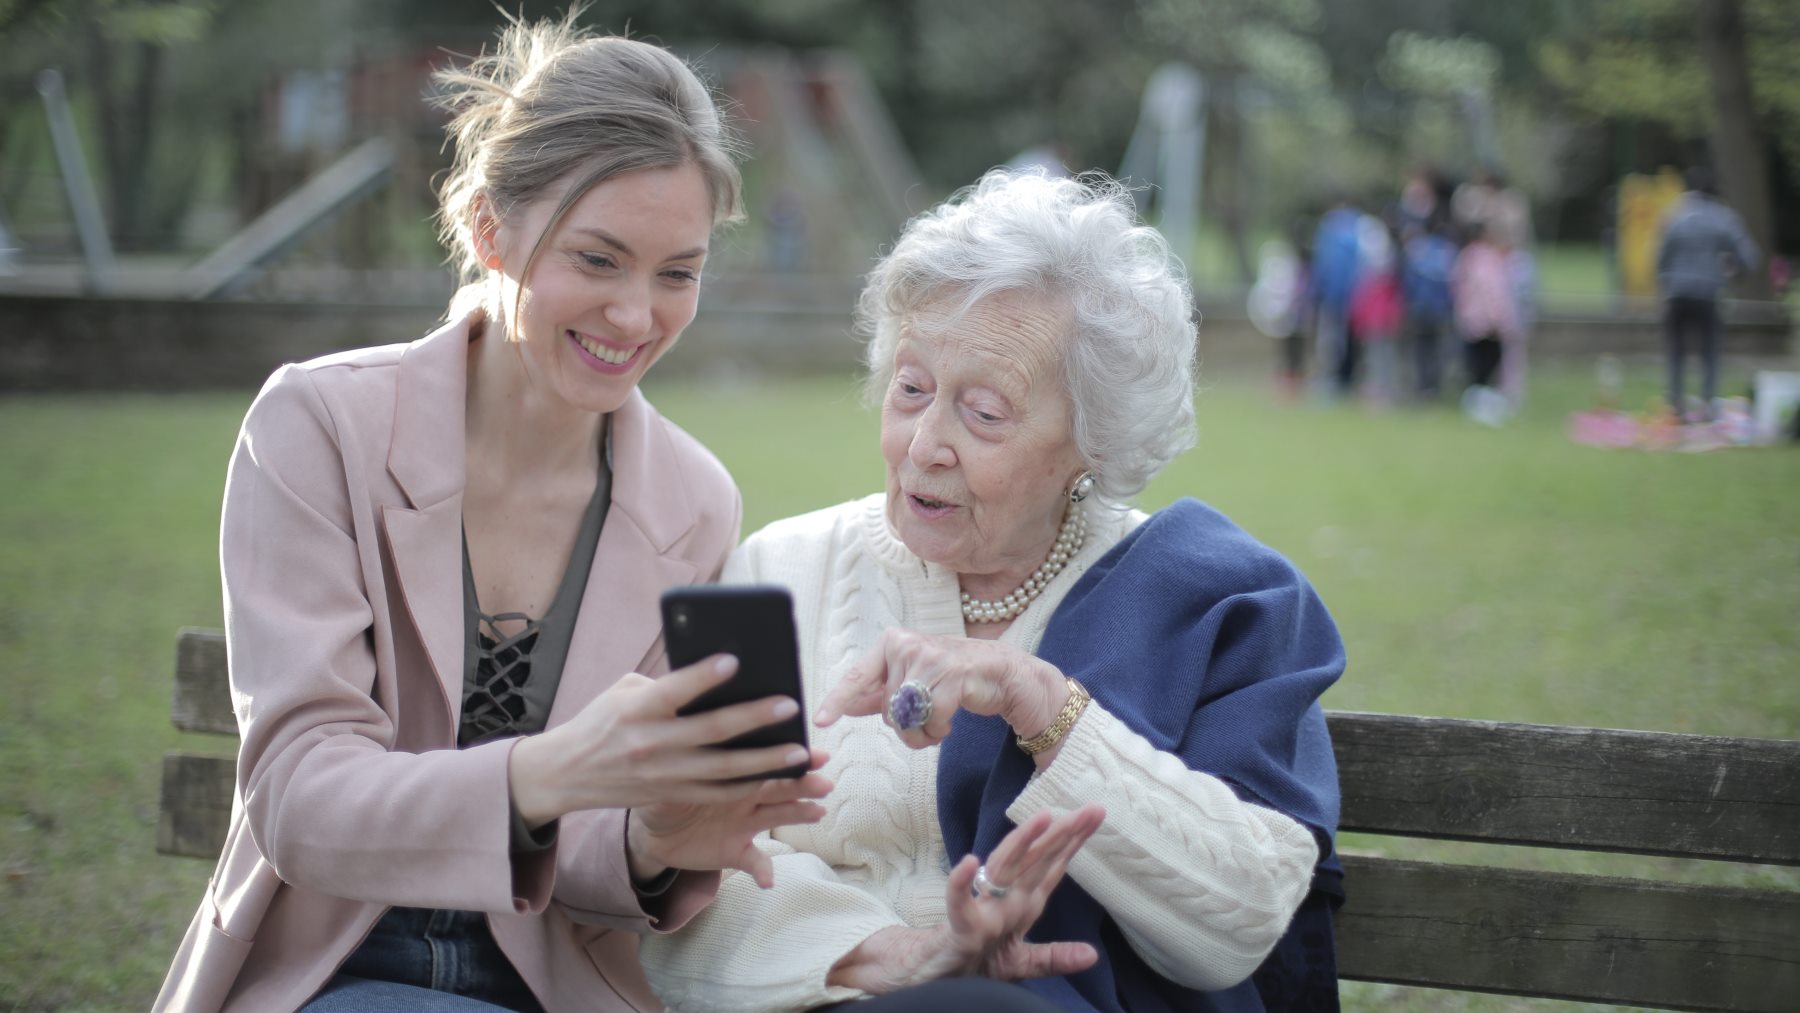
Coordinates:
755	624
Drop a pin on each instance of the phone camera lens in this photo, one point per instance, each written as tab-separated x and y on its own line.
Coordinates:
681	619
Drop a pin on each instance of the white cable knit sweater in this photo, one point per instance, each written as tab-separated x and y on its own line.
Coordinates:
1201	883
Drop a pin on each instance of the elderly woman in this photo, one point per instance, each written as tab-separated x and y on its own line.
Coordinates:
1032	350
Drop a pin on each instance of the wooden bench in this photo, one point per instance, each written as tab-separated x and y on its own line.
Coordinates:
1470	927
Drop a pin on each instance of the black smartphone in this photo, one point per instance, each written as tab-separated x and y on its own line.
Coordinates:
755	624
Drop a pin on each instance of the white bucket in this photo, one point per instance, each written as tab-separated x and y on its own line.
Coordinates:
1777	396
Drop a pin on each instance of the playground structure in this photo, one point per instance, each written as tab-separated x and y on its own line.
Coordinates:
814	120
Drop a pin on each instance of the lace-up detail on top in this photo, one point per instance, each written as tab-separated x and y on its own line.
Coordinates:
494	702
510	678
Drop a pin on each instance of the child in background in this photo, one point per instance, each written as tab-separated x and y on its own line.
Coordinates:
1376	311
1334	270
1486	312
1429	257
1521	270
1280	306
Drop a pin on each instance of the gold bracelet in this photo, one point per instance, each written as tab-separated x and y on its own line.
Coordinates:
1065	720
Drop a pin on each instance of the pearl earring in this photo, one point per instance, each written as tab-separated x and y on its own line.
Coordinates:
1083	487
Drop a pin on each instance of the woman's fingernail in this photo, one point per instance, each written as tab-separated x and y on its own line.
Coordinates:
798	754
785	707
725	665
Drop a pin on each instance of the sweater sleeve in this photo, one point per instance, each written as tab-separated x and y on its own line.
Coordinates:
1202	883
755	949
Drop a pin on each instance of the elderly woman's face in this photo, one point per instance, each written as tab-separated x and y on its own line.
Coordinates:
977	433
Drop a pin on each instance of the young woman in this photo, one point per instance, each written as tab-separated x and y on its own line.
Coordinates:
441	565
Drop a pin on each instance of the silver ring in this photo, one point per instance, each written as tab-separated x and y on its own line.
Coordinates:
985	887
910	706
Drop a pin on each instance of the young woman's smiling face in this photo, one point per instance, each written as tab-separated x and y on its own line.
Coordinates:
978	435
614	284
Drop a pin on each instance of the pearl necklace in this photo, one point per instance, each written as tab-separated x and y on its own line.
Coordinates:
1068	543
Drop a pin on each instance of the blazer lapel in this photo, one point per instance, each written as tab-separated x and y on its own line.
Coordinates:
426	458
619	626
427	557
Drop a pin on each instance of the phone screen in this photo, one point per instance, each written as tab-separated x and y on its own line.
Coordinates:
754	623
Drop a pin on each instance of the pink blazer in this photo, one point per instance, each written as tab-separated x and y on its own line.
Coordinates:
342	557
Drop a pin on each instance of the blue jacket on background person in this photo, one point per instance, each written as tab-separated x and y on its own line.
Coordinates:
1699	235
1336	259
1425	276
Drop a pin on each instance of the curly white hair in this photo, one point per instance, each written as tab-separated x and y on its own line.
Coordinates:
1129	364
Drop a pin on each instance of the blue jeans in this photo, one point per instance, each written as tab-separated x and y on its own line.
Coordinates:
424	959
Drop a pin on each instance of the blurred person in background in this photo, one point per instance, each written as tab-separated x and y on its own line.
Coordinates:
1481	286
1487	205
1428	257
1703	242
1336	266
1020	675
1472	202
1422	199
1280	304
1376	311
441	566
1510	215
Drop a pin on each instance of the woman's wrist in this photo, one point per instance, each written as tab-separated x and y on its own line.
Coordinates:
639	853
1044	747
531	778
1044	692
891	959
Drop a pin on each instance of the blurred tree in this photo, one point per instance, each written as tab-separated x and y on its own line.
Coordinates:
124	45
1736	142
1245	51
114	50
1304	95
15	14
164	88
1638	60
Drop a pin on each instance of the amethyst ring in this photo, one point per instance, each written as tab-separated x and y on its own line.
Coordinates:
910	706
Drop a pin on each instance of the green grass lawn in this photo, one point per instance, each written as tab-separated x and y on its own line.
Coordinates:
1503	574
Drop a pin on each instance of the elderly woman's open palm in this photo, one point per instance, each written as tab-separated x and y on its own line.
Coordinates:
989	915
989	908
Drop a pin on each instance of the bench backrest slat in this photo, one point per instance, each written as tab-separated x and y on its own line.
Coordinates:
1587	938
1596	789
195	814
202	697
